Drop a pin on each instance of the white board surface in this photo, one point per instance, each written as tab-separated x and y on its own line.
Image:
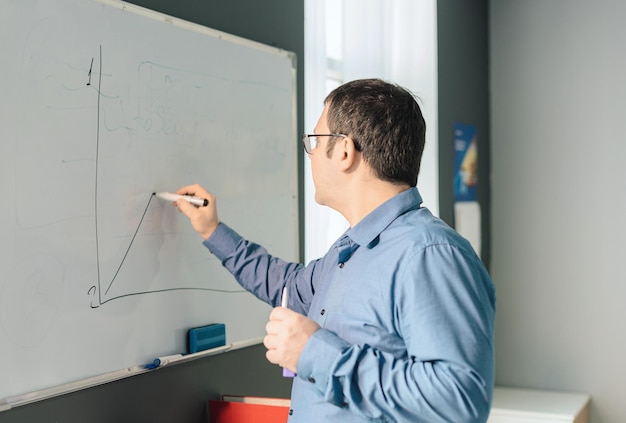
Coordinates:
103	103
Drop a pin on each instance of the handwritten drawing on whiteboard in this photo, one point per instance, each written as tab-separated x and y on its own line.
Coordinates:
101	107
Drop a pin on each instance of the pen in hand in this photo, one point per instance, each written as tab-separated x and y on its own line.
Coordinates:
284	299
196	201
283	303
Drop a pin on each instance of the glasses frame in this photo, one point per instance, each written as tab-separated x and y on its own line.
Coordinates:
306	140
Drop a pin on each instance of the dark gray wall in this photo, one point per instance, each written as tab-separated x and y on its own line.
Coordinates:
463	96
179	393
559	197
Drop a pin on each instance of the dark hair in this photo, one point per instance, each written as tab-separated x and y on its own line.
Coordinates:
386	124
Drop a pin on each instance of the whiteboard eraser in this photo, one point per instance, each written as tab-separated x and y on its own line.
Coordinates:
206	337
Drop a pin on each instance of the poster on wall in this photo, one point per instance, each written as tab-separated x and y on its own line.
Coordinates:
465	162
466	206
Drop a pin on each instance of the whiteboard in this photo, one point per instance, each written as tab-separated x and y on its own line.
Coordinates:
103	103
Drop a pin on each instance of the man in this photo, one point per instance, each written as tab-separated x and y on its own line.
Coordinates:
396	321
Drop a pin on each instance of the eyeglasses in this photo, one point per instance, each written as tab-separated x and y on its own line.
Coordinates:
310	141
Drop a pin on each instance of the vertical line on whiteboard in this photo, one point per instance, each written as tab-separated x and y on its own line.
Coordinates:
96	183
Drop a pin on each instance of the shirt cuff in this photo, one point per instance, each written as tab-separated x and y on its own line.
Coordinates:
319	358
222	241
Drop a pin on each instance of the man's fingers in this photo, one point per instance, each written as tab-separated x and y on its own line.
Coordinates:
271	356
272	327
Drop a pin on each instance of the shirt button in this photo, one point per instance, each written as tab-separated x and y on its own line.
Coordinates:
344	405
312	379
322	312
341	265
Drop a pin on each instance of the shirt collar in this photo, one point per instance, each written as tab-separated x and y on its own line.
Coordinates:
369	228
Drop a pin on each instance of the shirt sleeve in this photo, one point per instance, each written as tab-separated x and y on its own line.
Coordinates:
445	306
259	272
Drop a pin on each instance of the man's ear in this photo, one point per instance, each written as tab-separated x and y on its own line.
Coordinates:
346	153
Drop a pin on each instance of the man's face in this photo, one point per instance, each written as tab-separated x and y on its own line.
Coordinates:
321	165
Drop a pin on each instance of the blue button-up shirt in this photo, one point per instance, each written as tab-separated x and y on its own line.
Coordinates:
406	310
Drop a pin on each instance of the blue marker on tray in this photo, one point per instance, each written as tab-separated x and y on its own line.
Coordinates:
162	361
